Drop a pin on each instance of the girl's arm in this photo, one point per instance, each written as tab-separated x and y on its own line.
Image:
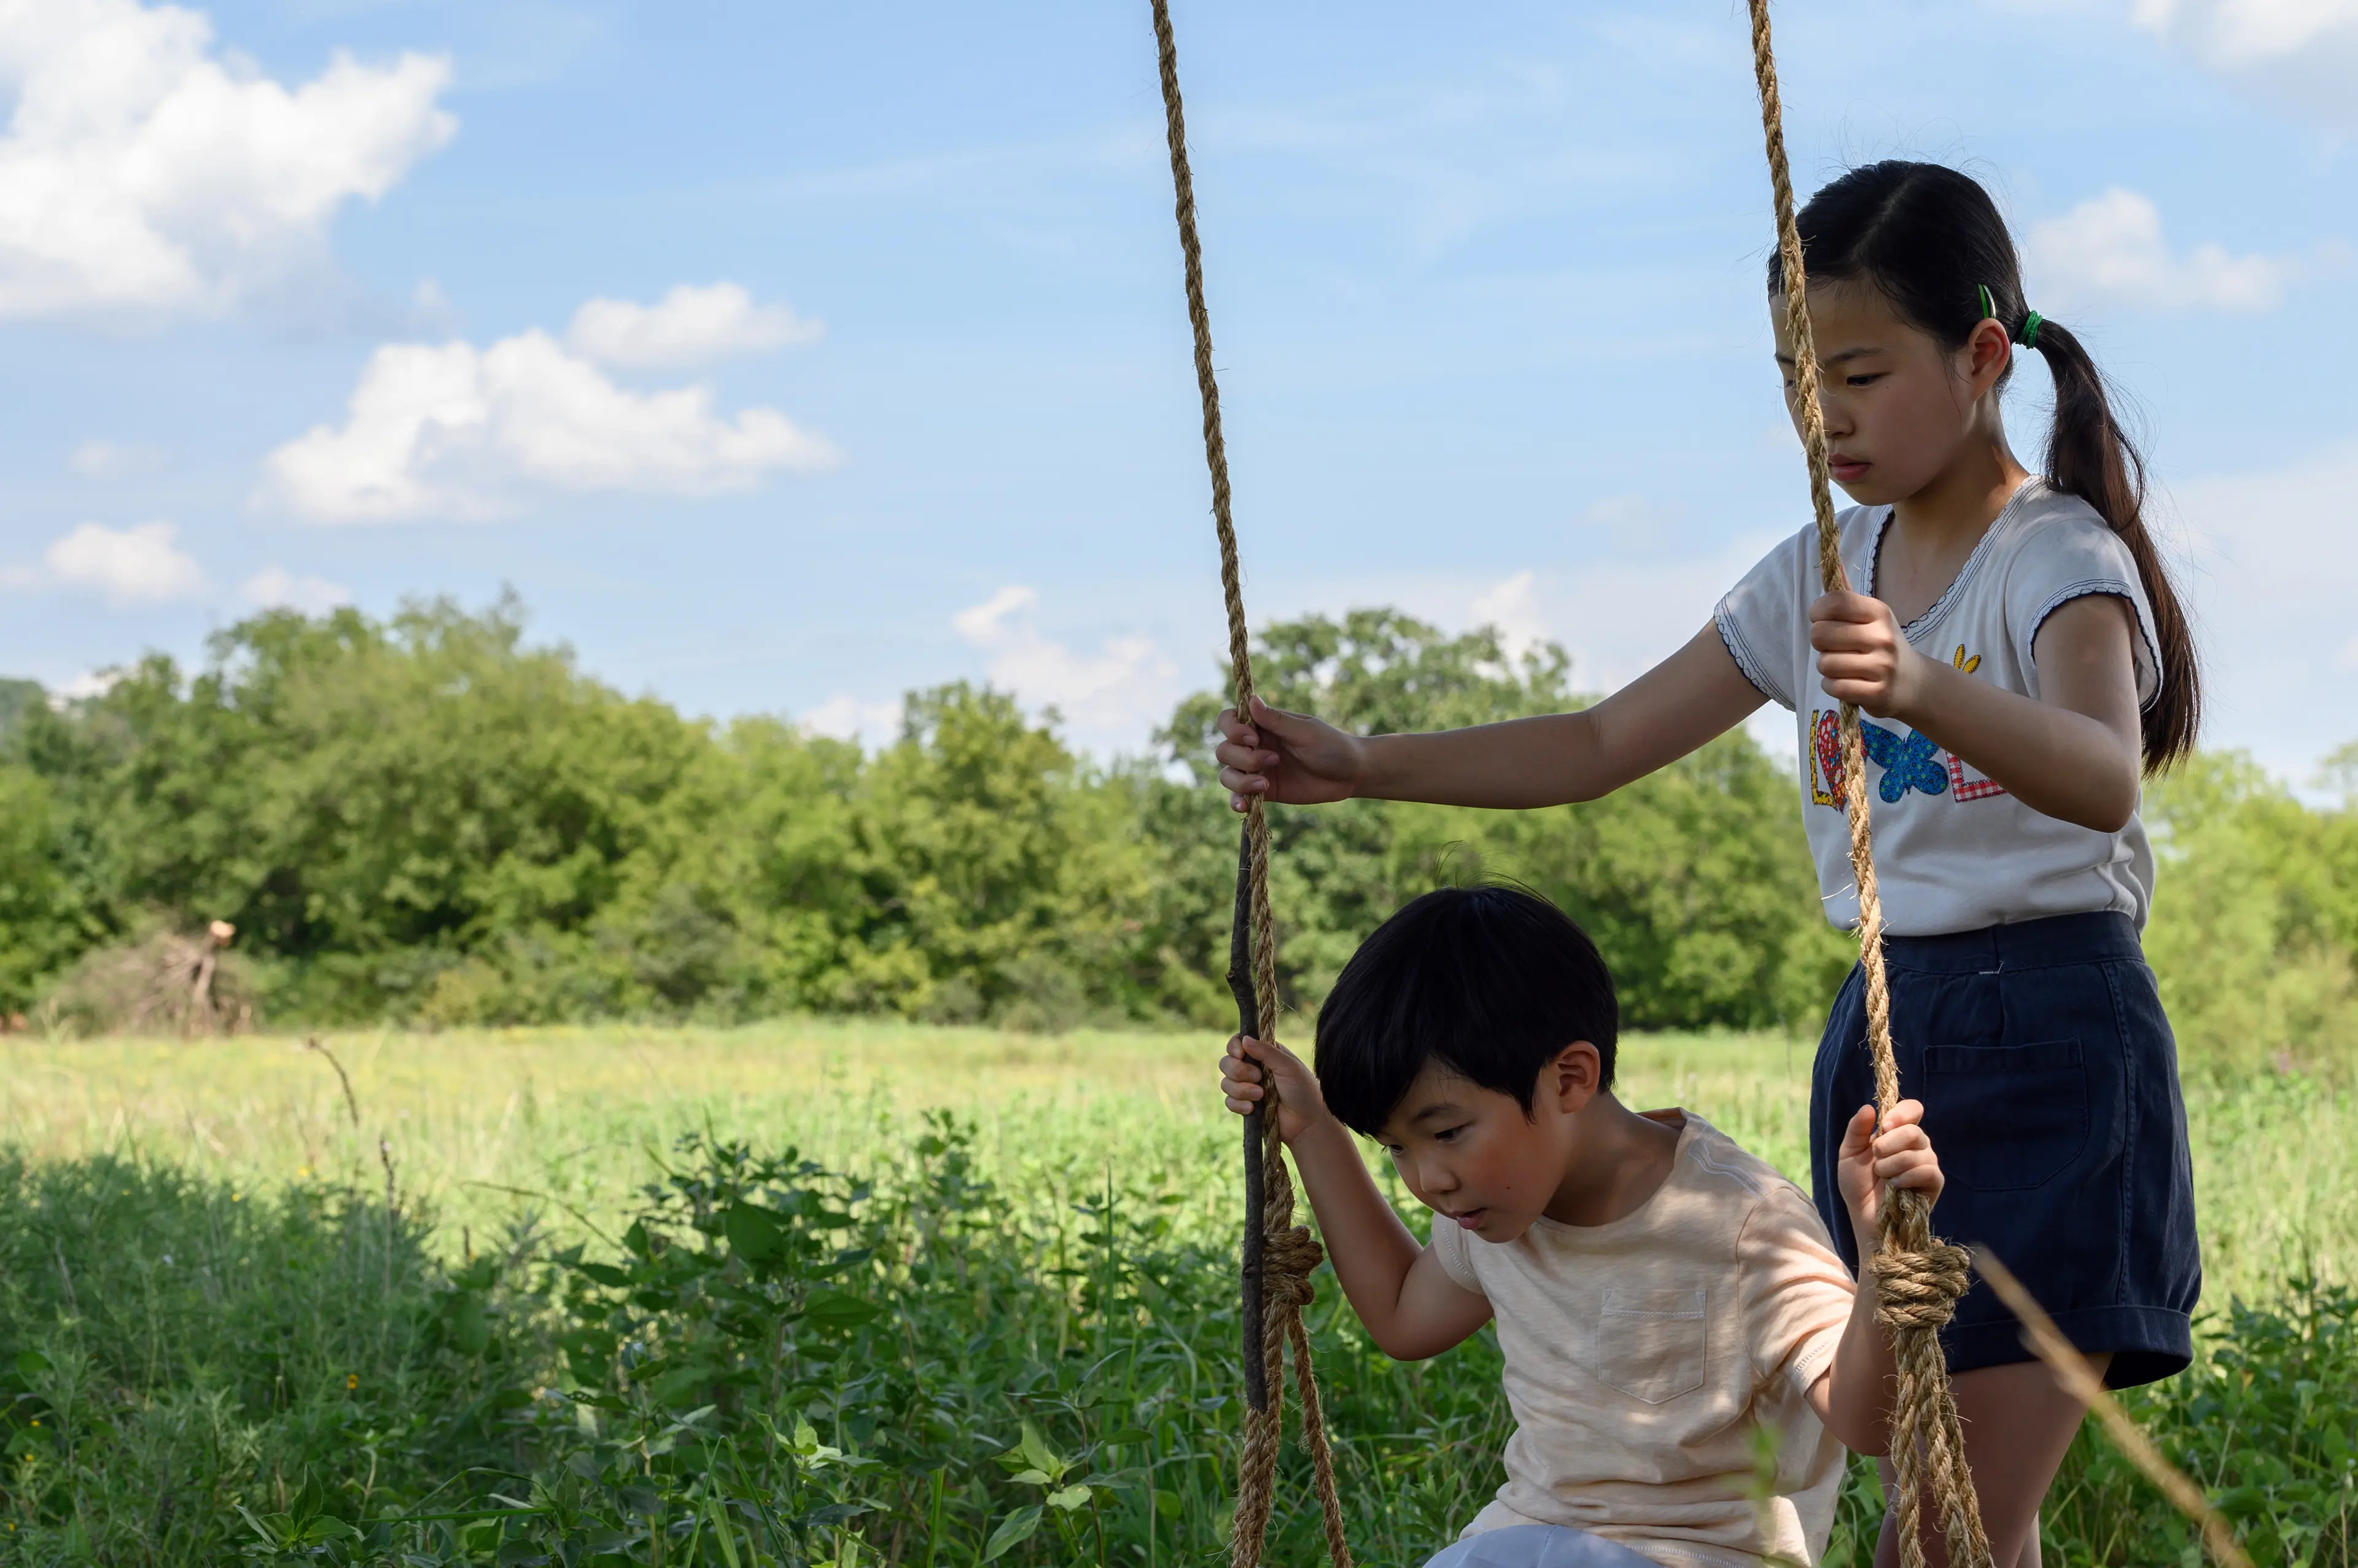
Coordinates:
1853	1397
2074	753
1678	706
1411	1307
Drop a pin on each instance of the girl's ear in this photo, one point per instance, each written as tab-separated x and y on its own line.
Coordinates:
1988	351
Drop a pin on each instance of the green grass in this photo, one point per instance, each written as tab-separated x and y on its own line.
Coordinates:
1061	1254
573	1113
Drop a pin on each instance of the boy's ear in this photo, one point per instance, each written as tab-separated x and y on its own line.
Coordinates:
1573	1076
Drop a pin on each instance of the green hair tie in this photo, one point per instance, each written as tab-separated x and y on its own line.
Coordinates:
2030	330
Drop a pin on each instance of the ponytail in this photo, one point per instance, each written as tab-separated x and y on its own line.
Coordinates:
2089	456
1933	241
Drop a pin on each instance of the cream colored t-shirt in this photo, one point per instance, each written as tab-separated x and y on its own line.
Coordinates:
1641	1355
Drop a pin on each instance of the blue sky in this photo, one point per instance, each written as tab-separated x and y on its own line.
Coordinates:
784	357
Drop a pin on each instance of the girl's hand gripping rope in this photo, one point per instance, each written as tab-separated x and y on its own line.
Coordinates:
1862	657
1288	759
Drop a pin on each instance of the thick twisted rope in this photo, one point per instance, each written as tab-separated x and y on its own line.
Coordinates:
1279	1256
1916	1278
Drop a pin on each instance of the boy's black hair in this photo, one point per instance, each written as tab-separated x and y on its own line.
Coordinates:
1493	982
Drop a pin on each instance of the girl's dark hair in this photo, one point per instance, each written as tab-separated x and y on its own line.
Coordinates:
1492	983
1930	239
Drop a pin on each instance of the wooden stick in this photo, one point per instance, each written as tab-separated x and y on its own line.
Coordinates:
1240	986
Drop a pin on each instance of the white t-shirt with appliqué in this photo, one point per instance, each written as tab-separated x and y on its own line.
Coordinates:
1953	851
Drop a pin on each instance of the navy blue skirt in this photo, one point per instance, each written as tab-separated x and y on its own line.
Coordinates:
2050	1082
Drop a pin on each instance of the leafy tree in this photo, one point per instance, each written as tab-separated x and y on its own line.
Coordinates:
2255	915
426	818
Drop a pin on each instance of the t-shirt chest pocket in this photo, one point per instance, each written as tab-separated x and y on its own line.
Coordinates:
1650	1343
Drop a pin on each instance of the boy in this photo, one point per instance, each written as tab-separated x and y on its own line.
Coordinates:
1659	1293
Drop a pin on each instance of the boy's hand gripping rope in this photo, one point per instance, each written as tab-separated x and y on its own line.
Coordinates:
1279	1256
1916	1278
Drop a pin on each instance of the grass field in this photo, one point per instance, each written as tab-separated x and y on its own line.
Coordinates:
210	1305
470	1118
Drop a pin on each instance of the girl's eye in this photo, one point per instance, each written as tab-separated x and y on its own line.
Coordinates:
1866	380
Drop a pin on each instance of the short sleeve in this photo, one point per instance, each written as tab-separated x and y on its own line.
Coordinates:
1454	1254
2074	556
1797	1294
1759	620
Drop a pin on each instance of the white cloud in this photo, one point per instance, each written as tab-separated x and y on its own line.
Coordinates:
1511	605
141	171
89	684
2299	56
2245	32
2275	575
97	458
138	565
456	431
847	718
1109	699
276	588
2110	249
690	326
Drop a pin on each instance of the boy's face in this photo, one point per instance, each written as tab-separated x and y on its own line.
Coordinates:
1472	1157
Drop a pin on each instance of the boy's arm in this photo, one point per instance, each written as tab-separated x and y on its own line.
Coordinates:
1854	1395
1410	1306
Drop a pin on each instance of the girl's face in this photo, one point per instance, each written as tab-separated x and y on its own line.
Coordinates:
1898	406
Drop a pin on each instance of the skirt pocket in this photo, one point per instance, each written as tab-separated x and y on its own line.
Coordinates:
2005	1117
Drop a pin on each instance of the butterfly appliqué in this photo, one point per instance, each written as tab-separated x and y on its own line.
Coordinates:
1907	763
1910	762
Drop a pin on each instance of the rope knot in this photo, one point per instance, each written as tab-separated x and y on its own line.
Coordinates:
1919	1289
1293	1255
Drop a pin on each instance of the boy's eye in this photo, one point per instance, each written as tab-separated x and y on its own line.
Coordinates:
1447	1134
1867	380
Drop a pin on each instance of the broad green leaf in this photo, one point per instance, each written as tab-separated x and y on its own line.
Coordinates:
833	1309
1035	1448
1013	1531
754	1232
1071	1498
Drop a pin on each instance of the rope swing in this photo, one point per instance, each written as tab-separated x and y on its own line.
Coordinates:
1279	1255
1915	1277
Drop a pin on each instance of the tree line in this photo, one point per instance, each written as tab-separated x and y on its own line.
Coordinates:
427	819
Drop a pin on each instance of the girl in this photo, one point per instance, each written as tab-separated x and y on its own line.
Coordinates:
2024	661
